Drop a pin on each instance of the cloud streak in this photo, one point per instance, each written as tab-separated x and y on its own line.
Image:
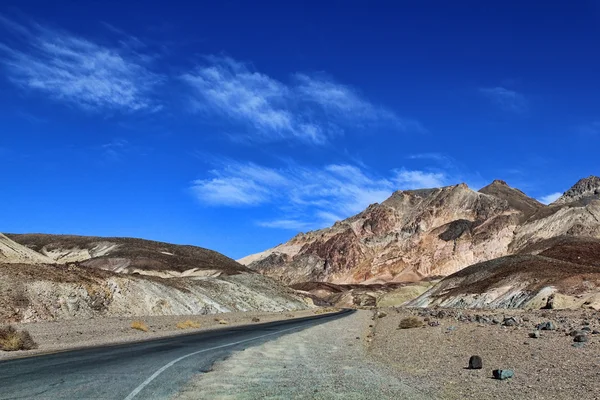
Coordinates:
306	195
76	70
507	100
550	198
308	108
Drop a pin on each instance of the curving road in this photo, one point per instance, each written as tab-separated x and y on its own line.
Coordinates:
155	369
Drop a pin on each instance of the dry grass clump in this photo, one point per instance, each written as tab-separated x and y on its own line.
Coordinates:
140	326
188	324
410	322
12	340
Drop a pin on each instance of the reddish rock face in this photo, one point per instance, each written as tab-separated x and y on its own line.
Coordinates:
418	234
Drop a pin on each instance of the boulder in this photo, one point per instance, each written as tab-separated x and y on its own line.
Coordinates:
546	326
503	374
475	362
580	339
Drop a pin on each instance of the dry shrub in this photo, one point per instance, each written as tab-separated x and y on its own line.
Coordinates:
410	322
12	340
140	326
188	324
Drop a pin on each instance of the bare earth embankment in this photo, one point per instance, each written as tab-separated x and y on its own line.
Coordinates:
77	333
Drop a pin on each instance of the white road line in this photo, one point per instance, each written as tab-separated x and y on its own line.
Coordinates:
163	369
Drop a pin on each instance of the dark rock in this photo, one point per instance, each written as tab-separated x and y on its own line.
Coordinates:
576	333
495	321
546	326
433	323
503	374
586	329
510	321
595	332
475	362
535	335
580	339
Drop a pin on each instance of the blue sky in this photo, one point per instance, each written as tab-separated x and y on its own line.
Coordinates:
234	125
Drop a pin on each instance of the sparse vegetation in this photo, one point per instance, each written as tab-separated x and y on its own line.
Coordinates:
140	326
410	322
188	324
13	340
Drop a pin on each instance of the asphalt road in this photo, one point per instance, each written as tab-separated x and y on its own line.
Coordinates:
154	369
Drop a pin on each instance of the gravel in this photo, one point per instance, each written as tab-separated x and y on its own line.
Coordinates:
437	358
328	361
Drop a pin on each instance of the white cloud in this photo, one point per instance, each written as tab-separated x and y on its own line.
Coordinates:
76	70
550	198
309	108
308	197
508	100
419	179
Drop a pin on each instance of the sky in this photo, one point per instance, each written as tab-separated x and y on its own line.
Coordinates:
234	125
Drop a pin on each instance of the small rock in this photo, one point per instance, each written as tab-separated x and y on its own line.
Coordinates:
578	345
381	314
433	323
503	374
576	333
586	329
495	321
535	335
595	332
255	319
580	339
509	321
223	322
546	326
451	328
475	362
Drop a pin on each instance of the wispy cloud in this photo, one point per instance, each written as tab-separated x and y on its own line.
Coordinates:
550	198
306	195
114	149
76	70
508	100
309	108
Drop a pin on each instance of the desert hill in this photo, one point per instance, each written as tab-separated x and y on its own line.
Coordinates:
562	272
417	235
130	255
53	277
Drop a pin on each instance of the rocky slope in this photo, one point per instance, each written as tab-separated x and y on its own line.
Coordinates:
413	235
62	277
562	272
419	235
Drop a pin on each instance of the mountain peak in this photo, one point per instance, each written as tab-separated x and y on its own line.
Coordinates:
584	188
515	198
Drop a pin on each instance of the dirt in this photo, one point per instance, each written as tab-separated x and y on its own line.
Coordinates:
435	358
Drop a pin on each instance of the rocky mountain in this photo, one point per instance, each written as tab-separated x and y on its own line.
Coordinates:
419	234
586	188
562	272
50	277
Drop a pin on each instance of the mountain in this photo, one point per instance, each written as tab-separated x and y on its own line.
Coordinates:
12	252
562	272
51	277
423	234
412	235
131	256
586	188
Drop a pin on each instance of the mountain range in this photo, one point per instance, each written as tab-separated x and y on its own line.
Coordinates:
427	234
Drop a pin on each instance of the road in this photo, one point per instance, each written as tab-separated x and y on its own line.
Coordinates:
154	369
